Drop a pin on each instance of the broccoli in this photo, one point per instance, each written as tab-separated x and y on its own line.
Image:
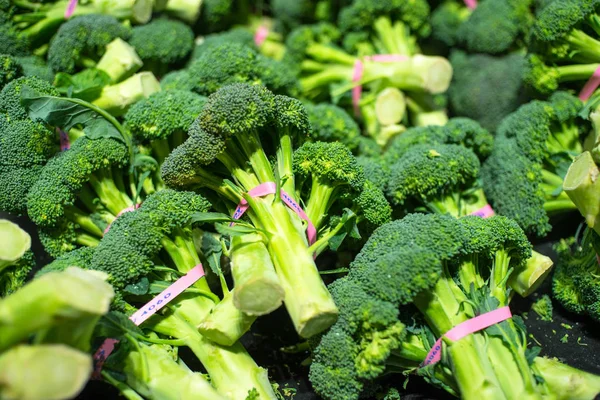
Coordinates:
450	270
151	247
161	122
576	282
440	178
543	308
11	42
81	41
10	96
387	27
330	123
162	44
79	193
246	133
10	69
546	79
486	88
523	177
17	260
581	185
229	63
236	35
219	15
376	171
446	20
36	66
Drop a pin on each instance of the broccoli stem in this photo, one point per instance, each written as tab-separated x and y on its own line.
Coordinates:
529	276
257	288
86	240
582	186
319	202
330	74
285	152
251	146
186	10
116	99
109	194
566	382
392	37
584	47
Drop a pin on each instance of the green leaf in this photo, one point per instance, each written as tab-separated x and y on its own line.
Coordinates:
138	289
212	250
532	353
86	85
210	217
235	230
67	113
115	325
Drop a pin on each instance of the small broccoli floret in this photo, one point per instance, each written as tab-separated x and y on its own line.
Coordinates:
236	35
10	69
511	21
236	63
177	80
376	171
543	308
11	42
10	96
440	178
331	123
36	66
500	76
576	282
546	79
219	15
82	39
446	20
162	44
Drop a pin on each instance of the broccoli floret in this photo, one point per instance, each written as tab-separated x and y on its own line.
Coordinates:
36	66
236	35
10	69
219	15
376	171
486	88
82	39
510	20
546	79
446	20
10	96
440	178
330	123
11	42
162	44
248	135
543	308
576	282
523	178
235	63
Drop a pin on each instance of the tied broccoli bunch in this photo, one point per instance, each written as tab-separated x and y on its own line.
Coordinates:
565	47
440	272
246	136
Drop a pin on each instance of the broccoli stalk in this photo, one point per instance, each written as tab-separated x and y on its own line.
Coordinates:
16	258
582	186
116	99
120	60
567	382
185	10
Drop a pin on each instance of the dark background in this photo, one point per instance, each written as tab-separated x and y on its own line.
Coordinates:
271	333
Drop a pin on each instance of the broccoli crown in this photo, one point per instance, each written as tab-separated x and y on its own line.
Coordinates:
64	175
376	171
302	37
330	164
486	88
576	279
11	42
80	257
428	173
177	80
128	251
541	77
83	37
331	123
60	238
291	13
236	109
446	21
14	277
163	41
163	114
24	143
36	66
10	96
542	129
291	116
16	183
230	63
361	14
558	19
10	69
372	207
508	19
512	182
236	35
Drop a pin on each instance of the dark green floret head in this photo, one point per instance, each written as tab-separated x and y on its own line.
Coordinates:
10	96
80	257
163	41
331	123
290	114
16	183
175	207
25	143
10	69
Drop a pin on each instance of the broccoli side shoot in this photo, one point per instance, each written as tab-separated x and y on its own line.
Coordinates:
10	69
331	123
543	308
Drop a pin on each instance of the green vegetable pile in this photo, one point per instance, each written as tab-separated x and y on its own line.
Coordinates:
375	170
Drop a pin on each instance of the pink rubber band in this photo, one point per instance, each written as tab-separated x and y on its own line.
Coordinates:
484	212
267	188
359	69
465	329
261	35
70	8
128	209
590	86
148	310
472	4
65	143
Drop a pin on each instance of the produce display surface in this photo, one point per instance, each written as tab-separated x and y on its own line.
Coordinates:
299	199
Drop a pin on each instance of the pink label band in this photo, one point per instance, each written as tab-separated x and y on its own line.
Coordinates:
70	8
65	143
359	69
465	329
472	4
591	85
484	212
267	188
148	310
261	35
128	209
